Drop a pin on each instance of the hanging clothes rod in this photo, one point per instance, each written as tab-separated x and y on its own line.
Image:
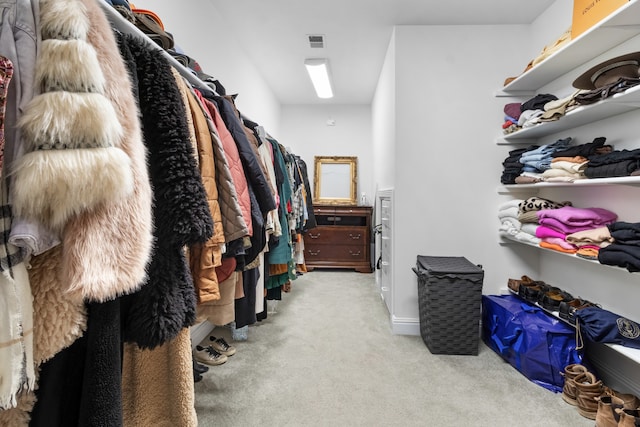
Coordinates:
119	23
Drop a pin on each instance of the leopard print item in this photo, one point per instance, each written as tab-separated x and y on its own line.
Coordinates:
538	203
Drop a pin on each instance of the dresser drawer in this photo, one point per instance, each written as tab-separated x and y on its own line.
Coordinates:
338	253
336	235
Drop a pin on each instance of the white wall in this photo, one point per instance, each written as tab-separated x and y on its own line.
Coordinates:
305	129
550	25
204	35
383	110
447	164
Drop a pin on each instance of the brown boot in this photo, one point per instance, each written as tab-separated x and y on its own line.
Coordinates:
630	401
629	417
607	415
587	390
569	388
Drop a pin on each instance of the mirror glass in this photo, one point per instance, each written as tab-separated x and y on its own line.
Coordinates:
335	180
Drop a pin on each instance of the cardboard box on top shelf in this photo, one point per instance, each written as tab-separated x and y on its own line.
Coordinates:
587	13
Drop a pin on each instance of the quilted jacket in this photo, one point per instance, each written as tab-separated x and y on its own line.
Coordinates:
233	221
205	257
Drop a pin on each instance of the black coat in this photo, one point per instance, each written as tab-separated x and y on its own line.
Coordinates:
167	301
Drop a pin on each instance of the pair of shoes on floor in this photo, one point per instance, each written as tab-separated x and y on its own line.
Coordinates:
582	390
220	345
214	351
598	402
209	356
569	387
619	410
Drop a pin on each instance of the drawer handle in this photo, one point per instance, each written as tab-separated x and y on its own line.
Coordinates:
314	236
334	218
354	253
356	237
314	253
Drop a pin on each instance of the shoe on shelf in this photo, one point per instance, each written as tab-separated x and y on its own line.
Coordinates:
567	309
221	346
208	355
569	388
552	299
514	284
532	293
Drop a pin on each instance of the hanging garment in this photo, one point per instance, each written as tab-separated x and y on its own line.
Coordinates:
245	307
311	219
19	42
115	239
235	205
157	384
205	257
253	170
222	311
166	303
235	162
17	370
82	386
73	162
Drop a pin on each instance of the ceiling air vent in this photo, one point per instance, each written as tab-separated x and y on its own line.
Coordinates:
316	40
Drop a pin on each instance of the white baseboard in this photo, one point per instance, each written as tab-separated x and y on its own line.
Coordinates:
199	332
405	326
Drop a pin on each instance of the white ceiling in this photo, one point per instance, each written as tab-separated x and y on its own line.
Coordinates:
357	32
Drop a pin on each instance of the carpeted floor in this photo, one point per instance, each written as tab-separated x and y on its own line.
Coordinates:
327	358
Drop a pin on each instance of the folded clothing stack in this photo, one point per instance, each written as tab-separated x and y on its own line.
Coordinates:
624	251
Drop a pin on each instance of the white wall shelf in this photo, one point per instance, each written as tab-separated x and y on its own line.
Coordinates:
509	241
633	181
616	28
631	353
617	104
621	26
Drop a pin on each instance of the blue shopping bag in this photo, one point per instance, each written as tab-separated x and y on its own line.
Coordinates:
535	343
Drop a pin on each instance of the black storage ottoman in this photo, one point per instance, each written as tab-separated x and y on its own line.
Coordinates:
450	300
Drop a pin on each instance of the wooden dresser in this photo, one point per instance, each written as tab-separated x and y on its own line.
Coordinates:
342	238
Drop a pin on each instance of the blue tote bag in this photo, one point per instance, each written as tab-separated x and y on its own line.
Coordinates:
535	343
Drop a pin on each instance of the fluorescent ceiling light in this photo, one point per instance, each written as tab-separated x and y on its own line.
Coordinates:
319	73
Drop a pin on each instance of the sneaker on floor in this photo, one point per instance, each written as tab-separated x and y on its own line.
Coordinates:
209	355
221	346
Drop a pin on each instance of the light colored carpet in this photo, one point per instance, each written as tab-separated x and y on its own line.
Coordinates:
327	358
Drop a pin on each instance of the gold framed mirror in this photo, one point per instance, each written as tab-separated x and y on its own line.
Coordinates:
336	180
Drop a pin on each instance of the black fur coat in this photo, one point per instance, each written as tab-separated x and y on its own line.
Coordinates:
167	302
